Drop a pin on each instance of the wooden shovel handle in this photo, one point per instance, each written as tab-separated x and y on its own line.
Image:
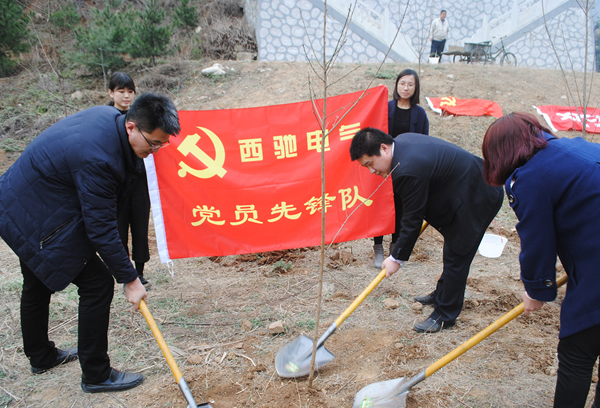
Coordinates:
161	341
483	334
367	290
360	298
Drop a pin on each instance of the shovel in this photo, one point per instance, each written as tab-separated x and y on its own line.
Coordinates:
170	360
293	360
392	393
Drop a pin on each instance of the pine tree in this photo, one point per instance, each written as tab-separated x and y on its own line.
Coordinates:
105	38
149	39
185	16
65	18
13	34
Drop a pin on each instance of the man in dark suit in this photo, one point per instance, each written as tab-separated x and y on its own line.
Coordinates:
442	184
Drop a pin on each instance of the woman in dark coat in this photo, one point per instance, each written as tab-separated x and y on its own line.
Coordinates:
553	186
135	212
404	116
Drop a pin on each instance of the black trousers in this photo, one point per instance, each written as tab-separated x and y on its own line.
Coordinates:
379	240
398	221
577	355
135	213
95	288
450	288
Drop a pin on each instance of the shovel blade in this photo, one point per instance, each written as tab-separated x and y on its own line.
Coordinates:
293	360
383	394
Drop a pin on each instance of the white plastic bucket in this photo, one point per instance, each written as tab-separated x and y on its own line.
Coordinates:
434	60
492	245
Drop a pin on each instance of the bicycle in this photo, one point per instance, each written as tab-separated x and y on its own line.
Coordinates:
484	55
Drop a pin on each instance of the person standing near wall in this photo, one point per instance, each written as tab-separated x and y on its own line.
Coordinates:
438	35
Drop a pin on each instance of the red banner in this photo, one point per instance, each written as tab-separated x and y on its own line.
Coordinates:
249	180
464	107
570	118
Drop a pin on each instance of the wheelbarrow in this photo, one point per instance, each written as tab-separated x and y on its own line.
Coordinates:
392	393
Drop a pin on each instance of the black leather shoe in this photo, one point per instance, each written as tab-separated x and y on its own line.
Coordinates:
117	381
430	325
427	299
63	357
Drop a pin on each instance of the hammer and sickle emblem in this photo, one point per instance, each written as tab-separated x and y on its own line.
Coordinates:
448	101
213	166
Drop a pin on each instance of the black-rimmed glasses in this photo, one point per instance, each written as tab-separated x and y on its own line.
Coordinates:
153	146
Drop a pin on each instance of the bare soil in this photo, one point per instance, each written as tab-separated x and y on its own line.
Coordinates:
201	308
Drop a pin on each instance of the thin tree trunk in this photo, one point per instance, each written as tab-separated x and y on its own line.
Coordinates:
323	197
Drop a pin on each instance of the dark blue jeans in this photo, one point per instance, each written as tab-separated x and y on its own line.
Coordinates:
437	47
577	355
95	288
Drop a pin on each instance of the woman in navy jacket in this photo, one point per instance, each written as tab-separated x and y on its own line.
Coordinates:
404	116
553	186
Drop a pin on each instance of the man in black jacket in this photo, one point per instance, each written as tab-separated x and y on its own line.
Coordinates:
58	212
442	184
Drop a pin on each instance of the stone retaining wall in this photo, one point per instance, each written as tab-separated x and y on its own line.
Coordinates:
286	28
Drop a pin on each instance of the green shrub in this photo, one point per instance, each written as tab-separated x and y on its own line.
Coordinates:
65	18
14	35
103	41
149	39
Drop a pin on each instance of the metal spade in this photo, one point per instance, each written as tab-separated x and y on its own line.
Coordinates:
293	360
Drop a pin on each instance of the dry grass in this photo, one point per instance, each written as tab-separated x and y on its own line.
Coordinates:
200	311
225	30
201	308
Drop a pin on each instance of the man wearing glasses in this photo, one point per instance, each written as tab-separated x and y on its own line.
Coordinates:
58	212
153	145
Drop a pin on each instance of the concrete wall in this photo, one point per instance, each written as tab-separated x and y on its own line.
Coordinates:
286	29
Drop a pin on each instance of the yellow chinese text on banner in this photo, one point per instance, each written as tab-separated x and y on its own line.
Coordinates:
249	180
